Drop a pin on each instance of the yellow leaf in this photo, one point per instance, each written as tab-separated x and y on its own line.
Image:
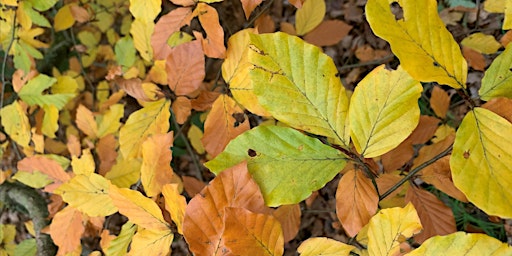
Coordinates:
141	30
156	163
153	118
64	18
85	121
119	245
195	135
138	208
497	80
125	172
481	43
507	22
419	38
175	204
109	123
151	243
50	120
496	6
35	179
15	123
309	16
459	242
8	233
88	194
391	226
383	110
85	164
481	162
323	246
145	9
157	72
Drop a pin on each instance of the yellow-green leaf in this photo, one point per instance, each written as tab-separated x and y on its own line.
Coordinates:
459	242
31	93
63	19
323	246
50	120
125	172
313	163
175	204
309	16
15	123
481	161
145	9
419	38
125	52
391	226
35	179
497	81
482	43
89	194
153	118
383	110
141	30
119	245
109	122
150	242
298	85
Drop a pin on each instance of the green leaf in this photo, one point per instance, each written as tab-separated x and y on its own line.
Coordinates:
36	17
125	52
497	81
419	38
42	5
31	93
282	160
463	3
383	110
481	161
27	247
119	245
298	84
459	242
16	124
21	59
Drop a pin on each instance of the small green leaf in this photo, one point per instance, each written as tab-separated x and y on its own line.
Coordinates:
497	81
32	93
125	52
282	160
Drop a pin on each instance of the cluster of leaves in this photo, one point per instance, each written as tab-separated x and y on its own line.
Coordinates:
79	141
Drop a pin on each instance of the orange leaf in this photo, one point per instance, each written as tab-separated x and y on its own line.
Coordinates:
225	121
329	32
45	165
213	45
436	218
156	168
249	6
183	2
297	3
426	128
475	59
175	204
79	13
165	27
289	217
248	233
106	151
356	201
265	24
439	175
73	145
204	217
182	109
439	101
204	101
185	68
86	122
67	229
192	185
500	106
141	91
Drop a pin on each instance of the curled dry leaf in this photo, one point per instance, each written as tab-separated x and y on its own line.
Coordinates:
213	45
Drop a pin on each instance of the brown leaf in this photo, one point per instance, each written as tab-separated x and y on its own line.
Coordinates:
225	121
248	233
356	201
288	28
73	145
289	217
213	45
501	106
204	216
439	175
185	68
436	218
106	151
249	6
79	13
425	130
297	3
265	24
182	109
204	101
165	27
506	38
475	59
428	152
183	2
67	229
329	32
385	182
138	90
192	185
439	101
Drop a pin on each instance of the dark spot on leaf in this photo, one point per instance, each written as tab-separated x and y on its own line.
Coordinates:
466	154
510	69
251	152
337	74
397	10
436	64
239	118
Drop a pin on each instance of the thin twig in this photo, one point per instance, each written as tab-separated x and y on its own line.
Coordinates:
255	17
82	68
6	54
415	171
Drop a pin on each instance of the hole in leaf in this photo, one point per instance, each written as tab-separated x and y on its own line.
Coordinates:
239	118
466	154
397	10
251	152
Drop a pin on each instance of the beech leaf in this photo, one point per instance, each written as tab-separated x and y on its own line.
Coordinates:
470	244
497	81
323	246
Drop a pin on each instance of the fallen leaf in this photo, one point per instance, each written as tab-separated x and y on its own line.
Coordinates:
185	68
329	32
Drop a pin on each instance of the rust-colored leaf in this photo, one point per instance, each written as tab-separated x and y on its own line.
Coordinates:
106	151
204	217
225	121
265	24
249	6
165	27
67	229
329	32
248	233
205	100
213	44
436	218
439	101
192	185
385	182
475	59
297	3
425	130
439	175
141	91
501	106
185	68
289	217
356	201
182	109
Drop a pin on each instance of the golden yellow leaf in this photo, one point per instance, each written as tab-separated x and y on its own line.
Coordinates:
85	121
157	72
419	38
175	204
195	135
141	30
457	243
88	194
323	246
151	243
84	165
390	227
125	172
50	120
109	123
145	9
15	123
310	15
64	18
156	163
482	43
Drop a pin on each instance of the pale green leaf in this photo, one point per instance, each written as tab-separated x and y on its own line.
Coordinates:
27	247
125	52
119	245
35	179
497	81
16	124
309	16
298	84
42	5
31	93
481	161
461	243
151	119
21	58
281	160
383	110
419	38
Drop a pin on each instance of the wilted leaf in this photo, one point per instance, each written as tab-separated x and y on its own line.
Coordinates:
419	38
470	244
310	15
323	246
383	110
185	68
269	163
497	81
213	45
481	164
156	168
356	201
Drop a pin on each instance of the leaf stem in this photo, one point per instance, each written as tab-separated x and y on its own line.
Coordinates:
255	17
4	62
415	171
82	68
